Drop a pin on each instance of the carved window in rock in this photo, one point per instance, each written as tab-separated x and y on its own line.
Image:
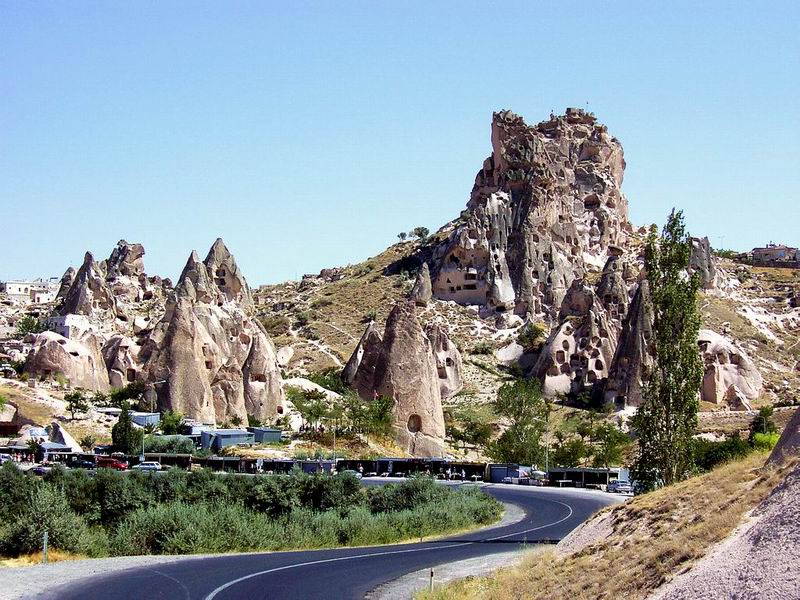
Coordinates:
414	423
130	374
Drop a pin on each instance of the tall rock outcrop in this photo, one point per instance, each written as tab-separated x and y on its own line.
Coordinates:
448	361
545	207
207	358
702	262
66	282
422	293
89	293
632	357
403	365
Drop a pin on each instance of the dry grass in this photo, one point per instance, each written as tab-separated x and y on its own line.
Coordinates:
27	560
30	409
655	537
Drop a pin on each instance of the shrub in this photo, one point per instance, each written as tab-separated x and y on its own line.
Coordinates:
276	325
708	455
531	336
765	441
482	347
45	509
168	444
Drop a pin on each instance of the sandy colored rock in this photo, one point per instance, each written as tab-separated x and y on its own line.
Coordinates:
726	365
448	361
789	442
546	204
422	292
403	365
80	361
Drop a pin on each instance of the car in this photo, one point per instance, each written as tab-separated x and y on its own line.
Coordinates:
107	462
355	474
4	458
82	464
39	470
147	466
619	487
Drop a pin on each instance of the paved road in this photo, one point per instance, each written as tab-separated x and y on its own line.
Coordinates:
342	573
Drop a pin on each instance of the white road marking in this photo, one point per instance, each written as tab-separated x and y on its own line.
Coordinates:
233	582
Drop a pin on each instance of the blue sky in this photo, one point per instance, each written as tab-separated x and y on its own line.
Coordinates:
308	135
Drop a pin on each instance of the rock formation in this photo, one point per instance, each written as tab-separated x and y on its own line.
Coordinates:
702	262
726	366
422	292
789	442
125	261
121	357
545	207
207	358
89	291
448	361
66	282
79	361
631	357
403	365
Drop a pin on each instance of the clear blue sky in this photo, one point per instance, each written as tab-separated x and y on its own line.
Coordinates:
308	135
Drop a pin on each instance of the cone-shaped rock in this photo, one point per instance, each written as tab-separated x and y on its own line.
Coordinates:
422	292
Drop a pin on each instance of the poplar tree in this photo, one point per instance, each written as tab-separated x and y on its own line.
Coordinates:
667	418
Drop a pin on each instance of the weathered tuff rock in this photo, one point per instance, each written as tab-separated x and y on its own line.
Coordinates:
448	361
726	366
545	206
422	293
403	365
66	282
121	357
207	358
79	361
631	357
125	261
789	442
578	353
702	262
89	291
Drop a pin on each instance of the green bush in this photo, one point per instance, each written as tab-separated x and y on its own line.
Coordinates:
482	347
276	325
168	444
708	455
765	441
45	509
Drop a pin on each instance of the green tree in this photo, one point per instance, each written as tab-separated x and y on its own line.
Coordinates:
133	392
170	422
3	401
402	236
87	442
763	422
236	421
610	448
29	324
667	418
125	437
521	402
420	232
570	453
76	402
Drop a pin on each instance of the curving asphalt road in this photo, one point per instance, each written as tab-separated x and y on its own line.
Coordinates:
340	573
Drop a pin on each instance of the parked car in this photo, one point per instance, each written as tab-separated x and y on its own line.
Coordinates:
39	470
4	458
108	462
82	464
619	487
147	465
355	474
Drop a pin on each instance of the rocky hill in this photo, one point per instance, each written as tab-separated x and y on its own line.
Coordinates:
540	274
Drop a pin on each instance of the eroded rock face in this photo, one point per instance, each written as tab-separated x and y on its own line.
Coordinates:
577	355
89	291
631	357
121	357
207	358
546	204
726	366
126	260
422	292
66	282
789	442
366	352
402	364
448	361
80	361
702	262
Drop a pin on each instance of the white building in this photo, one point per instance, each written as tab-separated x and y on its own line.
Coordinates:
69	326
33	291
